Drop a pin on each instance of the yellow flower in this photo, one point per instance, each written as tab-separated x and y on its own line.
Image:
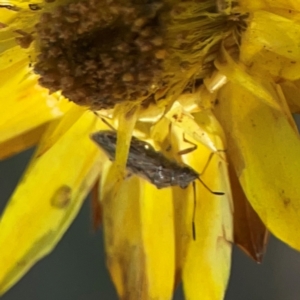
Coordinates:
218	75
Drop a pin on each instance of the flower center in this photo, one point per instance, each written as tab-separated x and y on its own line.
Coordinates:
101	53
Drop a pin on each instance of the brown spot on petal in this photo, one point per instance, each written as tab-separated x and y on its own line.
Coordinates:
62	197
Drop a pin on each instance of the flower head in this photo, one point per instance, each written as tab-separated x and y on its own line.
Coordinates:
207	88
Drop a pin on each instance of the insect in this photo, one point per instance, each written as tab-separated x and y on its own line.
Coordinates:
144	161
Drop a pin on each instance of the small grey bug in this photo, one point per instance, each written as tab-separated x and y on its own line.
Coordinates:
144	161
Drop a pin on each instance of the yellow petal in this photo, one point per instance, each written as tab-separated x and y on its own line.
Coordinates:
199	131
267	63
271	32
9	60
291	91
263	88
59	127
127	116
24	105
46	201
250	233
20	16
20	143
205	261
139	239
270	5
264	148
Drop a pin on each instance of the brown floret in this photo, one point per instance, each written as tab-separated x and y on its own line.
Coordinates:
100	53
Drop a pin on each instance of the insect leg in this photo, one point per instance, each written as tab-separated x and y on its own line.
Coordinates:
203	171
209	160
169	147
213	192
187	150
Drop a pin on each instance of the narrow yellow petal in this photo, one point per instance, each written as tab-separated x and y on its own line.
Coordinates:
158	238
206	267
205	261
264	148
139	237
46	201
127	116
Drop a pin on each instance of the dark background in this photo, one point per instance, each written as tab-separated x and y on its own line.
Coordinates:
76	270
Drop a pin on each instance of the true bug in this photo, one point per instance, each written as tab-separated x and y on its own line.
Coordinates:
152	165
143	160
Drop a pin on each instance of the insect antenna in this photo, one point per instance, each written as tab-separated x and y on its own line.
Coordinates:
104	121
194	212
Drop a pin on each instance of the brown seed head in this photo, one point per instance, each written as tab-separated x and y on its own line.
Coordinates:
100	53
